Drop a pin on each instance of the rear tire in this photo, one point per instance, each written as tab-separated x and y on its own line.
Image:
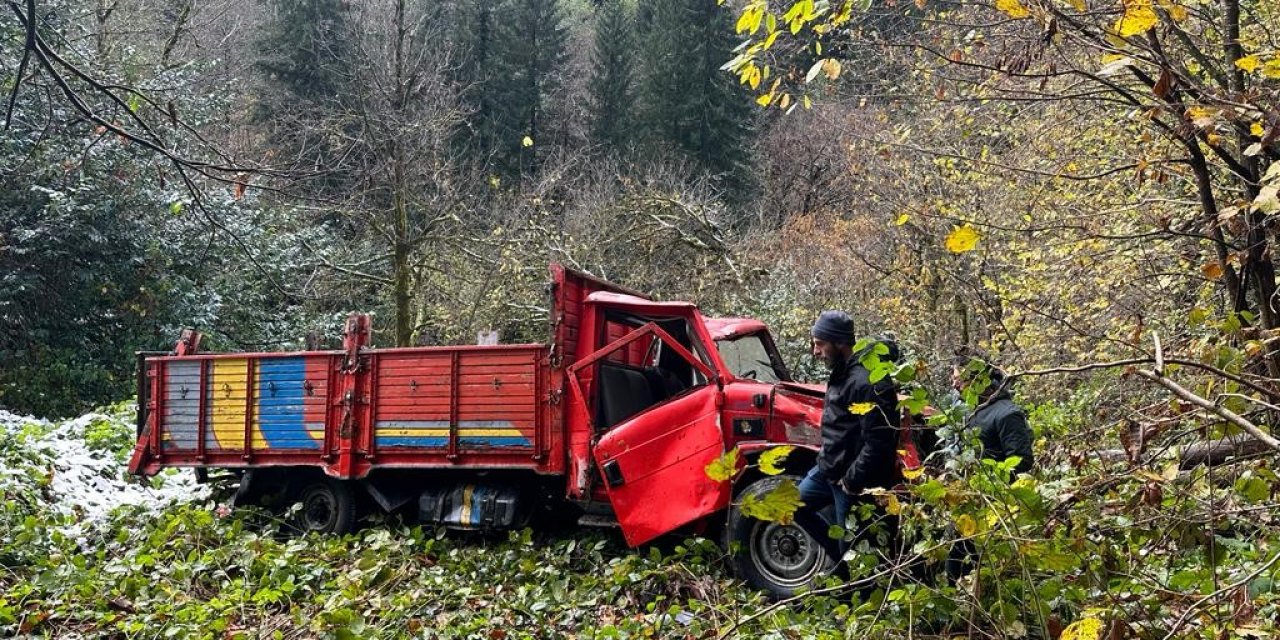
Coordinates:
780	559
326	506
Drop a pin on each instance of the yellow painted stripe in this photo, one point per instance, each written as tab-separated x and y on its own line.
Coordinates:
259	440
466	503
226	414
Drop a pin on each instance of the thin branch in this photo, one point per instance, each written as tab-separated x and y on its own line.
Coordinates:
22	65
1177	625
1225	413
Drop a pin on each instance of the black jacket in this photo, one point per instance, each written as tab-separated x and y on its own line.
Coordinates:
1002	428
861	449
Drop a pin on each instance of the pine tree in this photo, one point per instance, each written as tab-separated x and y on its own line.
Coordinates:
304	45
719	107
531	48
305	50
690	105
474	25
612	84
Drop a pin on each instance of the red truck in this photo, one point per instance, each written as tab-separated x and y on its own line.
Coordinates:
616	419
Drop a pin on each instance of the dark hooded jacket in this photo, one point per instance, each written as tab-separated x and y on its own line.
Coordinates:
1002	428
860	448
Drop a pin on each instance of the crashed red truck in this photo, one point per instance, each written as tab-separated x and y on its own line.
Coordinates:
614	420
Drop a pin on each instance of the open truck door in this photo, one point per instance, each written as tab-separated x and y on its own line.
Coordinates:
656	438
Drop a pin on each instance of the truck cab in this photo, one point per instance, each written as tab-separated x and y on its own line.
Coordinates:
659	392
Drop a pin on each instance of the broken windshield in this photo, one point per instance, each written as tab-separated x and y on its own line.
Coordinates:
749	357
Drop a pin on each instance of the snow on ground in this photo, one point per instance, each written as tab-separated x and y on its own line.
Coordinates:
88	482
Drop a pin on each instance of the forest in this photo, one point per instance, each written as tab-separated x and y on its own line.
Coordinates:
1080	190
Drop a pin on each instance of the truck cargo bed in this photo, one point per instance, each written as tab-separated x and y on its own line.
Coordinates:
426	407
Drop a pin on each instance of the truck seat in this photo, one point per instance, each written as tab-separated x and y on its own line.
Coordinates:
626	391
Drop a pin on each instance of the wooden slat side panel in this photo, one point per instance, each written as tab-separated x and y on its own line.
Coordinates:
181	406
496	408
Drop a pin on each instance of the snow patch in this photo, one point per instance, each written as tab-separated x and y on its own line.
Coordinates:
88	483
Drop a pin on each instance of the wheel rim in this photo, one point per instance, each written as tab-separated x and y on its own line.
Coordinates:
319	509
785	554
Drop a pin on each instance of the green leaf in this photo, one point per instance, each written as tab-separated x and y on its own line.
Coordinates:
725	467
932	491
1253	489
770	459
778	505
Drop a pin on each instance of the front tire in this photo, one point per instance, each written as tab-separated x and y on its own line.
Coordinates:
780	559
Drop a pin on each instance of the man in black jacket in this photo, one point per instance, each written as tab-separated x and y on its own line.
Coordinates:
1002	430
859	435
1001	423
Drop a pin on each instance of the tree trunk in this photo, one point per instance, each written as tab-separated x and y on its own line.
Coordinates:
1212	452
402	277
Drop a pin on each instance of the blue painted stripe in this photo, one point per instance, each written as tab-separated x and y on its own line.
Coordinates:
412	442
443	441
477	497
280	403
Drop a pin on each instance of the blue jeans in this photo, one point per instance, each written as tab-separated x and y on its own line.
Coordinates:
817	493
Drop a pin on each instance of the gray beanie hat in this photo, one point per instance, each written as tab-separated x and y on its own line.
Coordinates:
834	326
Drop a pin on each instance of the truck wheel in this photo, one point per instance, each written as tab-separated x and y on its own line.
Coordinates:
780	559
327	506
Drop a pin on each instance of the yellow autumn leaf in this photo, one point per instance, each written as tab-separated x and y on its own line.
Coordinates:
1139	16
785	102
912	474
1083	629
764	99
901	219
1177	12
778	505
861	408
769	460
892	506
1200	116
1256	129
832	68
1012	7
966	525
725	467
1271	70
1078	5
527	141
1249	63
961	239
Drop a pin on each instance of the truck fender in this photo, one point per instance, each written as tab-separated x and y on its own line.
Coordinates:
798	462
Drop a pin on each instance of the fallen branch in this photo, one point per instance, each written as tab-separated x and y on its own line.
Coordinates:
1225	413
1137	361
1213	452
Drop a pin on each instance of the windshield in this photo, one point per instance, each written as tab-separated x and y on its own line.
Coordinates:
747	357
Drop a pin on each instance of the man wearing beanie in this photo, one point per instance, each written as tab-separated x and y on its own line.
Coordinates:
859	436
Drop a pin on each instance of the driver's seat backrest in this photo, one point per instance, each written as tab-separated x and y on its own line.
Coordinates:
624	392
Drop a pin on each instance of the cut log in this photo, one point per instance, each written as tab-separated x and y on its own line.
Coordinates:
1212	452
